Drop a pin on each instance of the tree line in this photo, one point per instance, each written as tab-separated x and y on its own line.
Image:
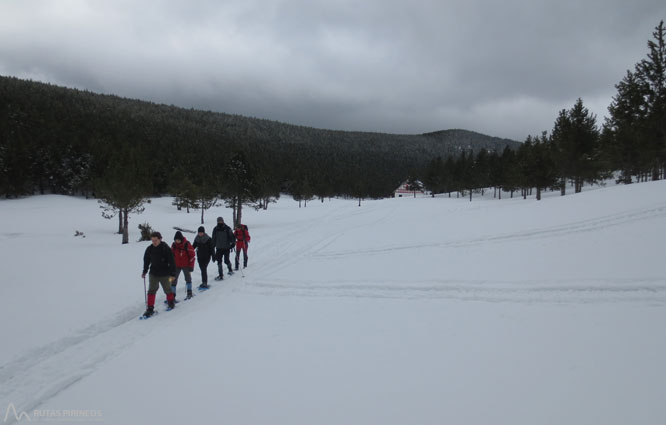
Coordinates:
64	141
630	144
122	151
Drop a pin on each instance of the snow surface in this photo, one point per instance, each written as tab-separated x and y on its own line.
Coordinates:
402	311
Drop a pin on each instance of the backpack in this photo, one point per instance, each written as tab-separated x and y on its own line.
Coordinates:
184	248
246	233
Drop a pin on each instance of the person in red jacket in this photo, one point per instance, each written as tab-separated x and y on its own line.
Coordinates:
184	256
242	240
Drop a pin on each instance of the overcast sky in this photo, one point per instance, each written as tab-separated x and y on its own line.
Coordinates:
502	68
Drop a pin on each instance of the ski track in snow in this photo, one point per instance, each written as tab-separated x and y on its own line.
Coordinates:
574	291
39	375
553	231
44	372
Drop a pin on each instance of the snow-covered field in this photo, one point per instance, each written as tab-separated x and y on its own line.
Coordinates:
402	311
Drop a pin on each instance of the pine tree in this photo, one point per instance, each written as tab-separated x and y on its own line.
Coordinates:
652	72
544	172
495	175
576	139
525	162
267	187
306	191
414	184
124	187
448	175
239	185
635	131
563	144
482	170
510	171
434	175
623	127
185	192
207	198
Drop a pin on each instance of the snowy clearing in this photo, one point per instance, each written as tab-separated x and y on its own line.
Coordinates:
402	311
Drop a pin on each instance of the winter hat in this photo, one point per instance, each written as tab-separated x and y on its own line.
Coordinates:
179	236
201	229
220	220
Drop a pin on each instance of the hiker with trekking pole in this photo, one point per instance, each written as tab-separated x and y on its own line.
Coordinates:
159	258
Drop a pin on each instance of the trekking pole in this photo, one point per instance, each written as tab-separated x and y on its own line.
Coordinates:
145	293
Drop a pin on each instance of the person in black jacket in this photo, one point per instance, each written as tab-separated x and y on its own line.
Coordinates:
223	241
159	258
205	254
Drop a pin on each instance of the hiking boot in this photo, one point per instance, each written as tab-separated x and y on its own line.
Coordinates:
149	311
204	286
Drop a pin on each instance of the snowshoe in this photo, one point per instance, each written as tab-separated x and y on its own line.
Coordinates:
220	277
150	311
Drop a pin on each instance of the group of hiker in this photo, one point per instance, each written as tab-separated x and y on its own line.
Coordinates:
163	264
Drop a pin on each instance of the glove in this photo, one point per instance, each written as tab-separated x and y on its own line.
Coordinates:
143	275
191	269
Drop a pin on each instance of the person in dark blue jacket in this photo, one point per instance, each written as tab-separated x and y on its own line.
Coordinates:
205	254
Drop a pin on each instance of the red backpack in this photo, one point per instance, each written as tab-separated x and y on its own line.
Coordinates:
246	234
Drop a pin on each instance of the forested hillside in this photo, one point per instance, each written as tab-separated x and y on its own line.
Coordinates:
61	140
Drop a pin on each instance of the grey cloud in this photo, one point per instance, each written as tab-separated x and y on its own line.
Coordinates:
502	68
